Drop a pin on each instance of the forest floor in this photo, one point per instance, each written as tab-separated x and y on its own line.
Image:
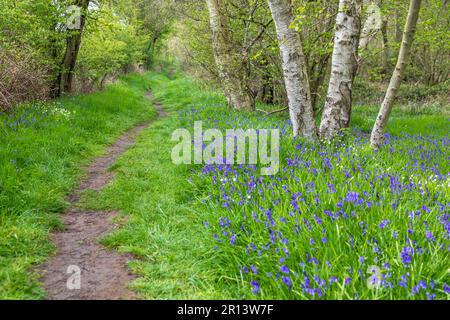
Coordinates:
205	232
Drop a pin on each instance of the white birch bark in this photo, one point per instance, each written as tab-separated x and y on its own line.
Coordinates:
372	25
294	70
338	105
397	76
227	60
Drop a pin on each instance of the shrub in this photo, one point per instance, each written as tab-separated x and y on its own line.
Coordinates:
22	78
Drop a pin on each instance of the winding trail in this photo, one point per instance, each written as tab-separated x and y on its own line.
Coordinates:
103	273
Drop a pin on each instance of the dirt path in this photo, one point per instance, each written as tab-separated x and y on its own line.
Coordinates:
103	273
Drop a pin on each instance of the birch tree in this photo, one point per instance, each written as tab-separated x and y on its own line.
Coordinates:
73	41
338	105
372	24
376	23
294	70
226	59
397	76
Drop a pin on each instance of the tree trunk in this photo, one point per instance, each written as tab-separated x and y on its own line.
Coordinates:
150	52
73	42
384	35
54	54
338	105
397	76
265	92
320	71
294	70
227	61
372	25
398	30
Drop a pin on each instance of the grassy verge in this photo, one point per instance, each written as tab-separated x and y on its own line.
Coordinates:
42	148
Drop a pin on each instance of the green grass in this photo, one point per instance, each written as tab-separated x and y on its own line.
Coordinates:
403	120
42	149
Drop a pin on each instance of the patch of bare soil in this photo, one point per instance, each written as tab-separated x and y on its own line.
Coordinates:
82	269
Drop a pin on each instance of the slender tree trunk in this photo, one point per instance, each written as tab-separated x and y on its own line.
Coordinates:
338	105
73	42
394	85
294	69
384	35
150	52
54	53
398	30
227	61
265	92
320	72
372	25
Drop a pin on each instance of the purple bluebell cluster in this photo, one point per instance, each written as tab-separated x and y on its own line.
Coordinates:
36	115
335	211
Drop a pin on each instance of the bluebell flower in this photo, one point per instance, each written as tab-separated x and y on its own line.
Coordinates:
216	237
446	288
429	236
287	282
431	296
421	284
233	239
406	255
284	269
419	250
415	290
383	224
319	292
317	219
254	270
333	279
402	283
255	286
